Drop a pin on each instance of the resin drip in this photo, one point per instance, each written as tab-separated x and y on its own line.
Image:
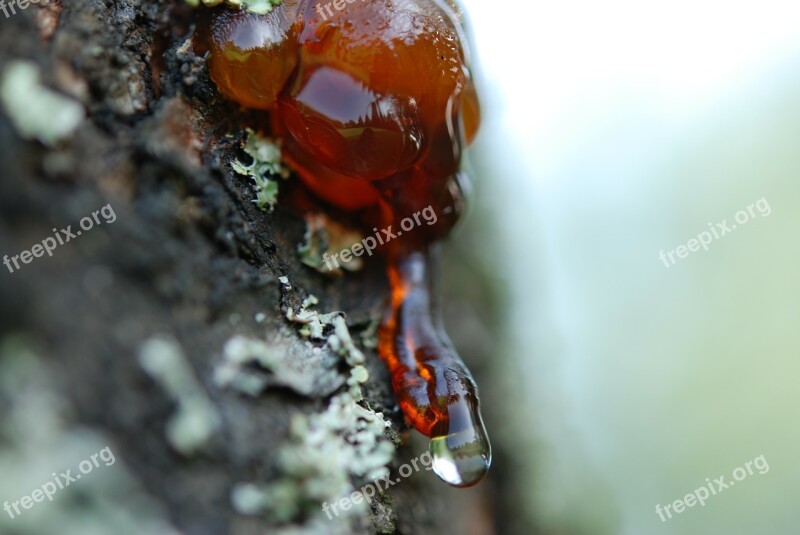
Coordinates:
374	106
433	386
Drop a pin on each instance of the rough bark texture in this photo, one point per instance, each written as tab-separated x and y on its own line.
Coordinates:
189	259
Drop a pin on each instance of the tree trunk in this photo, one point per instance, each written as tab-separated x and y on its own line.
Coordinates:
165	332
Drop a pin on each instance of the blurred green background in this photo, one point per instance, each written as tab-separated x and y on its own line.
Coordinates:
612	131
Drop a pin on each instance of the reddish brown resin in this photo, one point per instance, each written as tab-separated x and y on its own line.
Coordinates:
374	104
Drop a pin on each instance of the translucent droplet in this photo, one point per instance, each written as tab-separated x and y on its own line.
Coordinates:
462	458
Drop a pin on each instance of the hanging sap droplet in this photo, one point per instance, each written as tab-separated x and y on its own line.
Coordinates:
461	458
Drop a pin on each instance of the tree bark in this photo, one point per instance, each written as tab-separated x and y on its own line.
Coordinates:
188	264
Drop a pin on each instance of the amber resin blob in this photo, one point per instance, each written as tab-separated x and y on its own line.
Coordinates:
374	102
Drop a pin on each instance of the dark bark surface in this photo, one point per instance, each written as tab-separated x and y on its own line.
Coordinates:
189	258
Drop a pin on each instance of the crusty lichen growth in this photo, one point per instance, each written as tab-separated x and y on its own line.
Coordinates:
264	170
369	337
328	453
261	7
36	111
251	365
196	419
326	236
325	453
313	323
39	436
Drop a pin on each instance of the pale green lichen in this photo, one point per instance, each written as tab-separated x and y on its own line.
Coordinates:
36	111
266	167
261	7
339	341
196	419
251	366
369	337
324	236
39	436
313	322
324	454
328	452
